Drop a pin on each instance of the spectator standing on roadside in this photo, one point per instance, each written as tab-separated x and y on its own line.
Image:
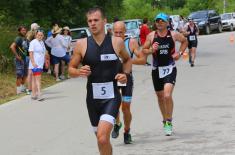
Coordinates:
144	31
53	24
58	50
170	25
68	41
37	52
30	36
20	49
50	68
33	29
181	24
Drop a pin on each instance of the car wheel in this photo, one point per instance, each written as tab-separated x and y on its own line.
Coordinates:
231	27
220	28
208	30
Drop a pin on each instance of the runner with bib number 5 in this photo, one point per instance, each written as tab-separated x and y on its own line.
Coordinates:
161	44
99	55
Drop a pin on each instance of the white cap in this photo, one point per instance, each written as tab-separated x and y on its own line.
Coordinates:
34	26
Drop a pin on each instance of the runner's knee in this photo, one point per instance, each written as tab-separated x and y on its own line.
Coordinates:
102	139
160	97
125	108
167	96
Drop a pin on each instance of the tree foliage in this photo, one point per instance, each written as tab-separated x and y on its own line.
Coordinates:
72	12
66	12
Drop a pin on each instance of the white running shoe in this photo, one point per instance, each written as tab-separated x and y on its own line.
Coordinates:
62	77
58	80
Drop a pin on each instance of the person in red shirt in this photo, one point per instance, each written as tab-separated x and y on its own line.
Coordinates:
144	31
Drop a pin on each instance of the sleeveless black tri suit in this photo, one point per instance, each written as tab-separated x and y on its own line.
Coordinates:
164	69
103	97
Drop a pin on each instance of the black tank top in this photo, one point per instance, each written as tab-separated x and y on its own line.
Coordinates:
127	46
103	61
163	56
192	33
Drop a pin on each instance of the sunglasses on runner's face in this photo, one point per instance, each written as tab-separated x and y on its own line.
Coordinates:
160	21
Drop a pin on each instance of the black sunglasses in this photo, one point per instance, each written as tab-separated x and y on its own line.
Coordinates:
159	20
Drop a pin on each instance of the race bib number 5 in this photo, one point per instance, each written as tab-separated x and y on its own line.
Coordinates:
165	70
103	90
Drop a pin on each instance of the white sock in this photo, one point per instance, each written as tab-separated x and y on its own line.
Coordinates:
22	87
18	89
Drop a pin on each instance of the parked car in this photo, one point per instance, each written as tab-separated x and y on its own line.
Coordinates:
228	21
78	33
108	27
207	20
133	27
83	32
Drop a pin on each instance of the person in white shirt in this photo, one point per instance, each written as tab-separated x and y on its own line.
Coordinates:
37	52
67	38
68	41
58	49
181	24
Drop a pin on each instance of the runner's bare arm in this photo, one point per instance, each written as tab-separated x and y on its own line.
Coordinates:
147	49
119	47
140	58
197	33
180	38
76	60
127	64
13	49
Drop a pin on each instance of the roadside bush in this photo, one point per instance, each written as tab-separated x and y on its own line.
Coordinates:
6	57
4	63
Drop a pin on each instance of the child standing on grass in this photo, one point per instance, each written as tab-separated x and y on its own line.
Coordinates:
37	52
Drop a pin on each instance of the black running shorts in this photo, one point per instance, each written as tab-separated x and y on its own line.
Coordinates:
159	83
192	44
127	90
98	107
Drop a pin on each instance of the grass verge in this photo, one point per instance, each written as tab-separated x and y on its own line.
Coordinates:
8	86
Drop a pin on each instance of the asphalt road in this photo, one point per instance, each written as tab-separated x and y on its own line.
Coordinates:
204	121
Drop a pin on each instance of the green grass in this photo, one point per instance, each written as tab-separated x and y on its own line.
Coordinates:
6	56
8	86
